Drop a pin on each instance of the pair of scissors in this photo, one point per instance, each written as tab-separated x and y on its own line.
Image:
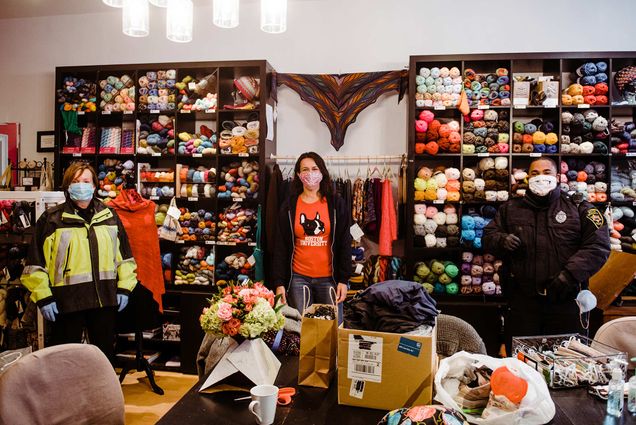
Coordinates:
285	395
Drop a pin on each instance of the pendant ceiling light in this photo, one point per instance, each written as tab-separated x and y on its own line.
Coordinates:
159	3
226	13
274	16
114	3
135	19
179	19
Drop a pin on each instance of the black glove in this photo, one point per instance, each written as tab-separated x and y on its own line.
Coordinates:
511	242
562	288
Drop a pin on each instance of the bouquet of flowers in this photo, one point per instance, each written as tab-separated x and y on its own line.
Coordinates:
248	309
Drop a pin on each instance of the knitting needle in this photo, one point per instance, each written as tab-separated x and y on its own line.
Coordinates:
243	398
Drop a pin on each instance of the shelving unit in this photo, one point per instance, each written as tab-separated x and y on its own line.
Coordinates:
178	298
561	67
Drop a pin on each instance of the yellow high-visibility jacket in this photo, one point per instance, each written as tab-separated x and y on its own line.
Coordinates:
77	264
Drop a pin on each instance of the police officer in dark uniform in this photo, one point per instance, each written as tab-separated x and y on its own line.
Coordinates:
551	245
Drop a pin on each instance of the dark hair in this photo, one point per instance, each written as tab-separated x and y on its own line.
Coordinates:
545	158
325	185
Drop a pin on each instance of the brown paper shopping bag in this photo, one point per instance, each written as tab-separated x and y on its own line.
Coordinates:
318	346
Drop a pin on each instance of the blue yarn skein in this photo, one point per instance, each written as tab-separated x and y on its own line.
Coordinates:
601	66
468	222
477	243
468	235
480	223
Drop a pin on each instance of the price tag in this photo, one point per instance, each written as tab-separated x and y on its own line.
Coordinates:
438	201
358	269
19	189
192	85
244	154
356	232
185	111
583	106
197	155
156	154
210	242
238	199
483	107
154	198
482	154
77	155
251	244
251	260
210	111
440	108
192	198
179	241
106	112
27	181
630	154
154	111
128	112
550	105
81	113
174	213
535	154
520	106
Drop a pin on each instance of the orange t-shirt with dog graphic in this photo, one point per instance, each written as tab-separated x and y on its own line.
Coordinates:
312	248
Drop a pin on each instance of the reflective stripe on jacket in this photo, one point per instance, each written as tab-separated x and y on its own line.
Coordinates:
77	264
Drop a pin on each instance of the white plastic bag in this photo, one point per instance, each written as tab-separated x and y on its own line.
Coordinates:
536	407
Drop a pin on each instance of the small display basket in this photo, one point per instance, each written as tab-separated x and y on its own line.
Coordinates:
590	364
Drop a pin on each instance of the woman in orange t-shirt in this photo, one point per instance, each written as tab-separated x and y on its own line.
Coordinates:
313	245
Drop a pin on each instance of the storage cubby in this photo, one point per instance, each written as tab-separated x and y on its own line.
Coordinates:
543	80
199	98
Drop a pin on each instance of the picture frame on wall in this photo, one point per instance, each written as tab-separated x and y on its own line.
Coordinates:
46	141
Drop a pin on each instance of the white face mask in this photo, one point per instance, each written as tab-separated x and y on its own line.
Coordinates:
586	301
542	185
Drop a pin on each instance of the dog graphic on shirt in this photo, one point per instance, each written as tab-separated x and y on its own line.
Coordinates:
313	227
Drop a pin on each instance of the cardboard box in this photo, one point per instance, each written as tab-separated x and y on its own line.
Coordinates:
385	370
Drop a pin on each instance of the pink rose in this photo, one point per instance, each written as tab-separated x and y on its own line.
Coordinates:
224	312
229	299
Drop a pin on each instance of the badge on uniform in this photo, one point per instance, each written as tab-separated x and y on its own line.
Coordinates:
595	217
561	217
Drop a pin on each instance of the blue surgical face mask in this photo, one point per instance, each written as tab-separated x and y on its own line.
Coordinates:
81	191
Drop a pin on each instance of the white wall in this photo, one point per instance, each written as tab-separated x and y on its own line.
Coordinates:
324	36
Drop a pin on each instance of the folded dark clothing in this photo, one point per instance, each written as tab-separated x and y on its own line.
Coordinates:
392	306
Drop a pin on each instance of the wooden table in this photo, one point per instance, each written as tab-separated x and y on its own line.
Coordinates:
319	406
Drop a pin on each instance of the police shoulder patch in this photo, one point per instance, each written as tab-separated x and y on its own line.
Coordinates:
595	217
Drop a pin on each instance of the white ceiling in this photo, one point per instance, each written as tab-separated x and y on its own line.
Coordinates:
10	9
33	8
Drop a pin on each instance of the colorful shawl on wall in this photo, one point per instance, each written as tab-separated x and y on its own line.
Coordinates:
339	98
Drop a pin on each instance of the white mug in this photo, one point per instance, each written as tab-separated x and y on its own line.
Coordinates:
263	405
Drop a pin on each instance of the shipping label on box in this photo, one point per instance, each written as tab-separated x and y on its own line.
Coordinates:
365	358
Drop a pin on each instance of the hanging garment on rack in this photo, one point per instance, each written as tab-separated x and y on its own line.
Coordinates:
272	204
369	223
138	217
339	98
357	204
388	224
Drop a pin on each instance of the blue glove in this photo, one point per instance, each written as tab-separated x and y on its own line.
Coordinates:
122	301
49	311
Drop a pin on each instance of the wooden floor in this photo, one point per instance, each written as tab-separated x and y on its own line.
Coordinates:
143	406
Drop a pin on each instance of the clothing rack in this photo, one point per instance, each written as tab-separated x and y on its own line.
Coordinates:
357	159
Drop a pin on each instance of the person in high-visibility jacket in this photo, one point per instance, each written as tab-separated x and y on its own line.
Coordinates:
80	269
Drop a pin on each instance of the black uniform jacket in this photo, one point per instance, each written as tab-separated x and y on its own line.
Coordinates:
559	235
